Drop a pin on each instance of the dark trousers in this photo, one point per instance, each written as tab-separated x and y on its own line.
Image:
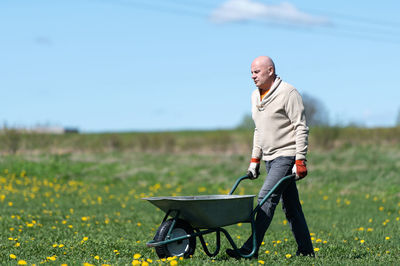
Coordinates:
287	193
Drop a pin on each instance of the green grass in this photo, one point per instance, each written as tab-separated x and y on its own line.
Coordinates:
90	204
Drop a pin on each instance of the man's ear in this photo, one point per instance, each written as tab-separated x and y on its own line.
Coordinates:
270	70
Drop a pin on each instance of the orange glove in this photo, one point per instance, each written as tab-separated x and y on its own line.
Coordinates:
301	168
254	169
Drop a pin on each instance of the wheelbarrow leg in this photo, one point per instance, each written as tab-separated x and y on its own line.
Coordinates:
228	236
203	243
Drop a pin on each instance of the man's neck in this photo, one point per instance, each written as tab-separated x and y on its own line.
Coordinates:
268	85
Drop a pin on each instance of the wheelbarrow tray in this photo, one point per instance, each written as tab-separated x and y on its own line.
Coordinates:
208	211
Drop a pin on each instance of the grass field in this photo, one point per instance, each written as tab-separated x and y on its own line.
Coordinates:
86	207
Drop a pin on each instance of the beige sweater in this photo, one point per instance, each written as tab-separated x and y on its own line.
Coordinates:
280	123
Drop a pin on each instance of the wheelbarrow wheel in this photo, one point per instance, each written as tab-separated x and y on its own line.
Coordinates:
182	248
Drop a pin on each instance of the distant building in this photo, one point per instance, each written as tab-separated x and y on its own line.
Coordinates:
45	130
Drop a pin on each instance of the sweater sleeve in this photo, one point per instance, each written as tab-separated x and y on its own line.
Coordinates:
257	151
296	114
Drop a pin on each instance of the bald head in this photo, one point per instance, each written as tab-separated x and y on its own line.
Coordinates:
265	62
263	72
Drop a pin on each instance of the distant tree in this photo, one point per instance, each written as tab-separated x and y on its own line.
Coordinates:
246	123
316	113
398	118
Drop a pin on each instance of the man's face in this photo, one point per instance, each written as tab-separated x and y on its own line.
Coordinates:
262	74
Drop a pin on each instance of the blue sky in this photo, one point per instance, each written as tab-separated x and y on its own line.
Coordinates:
121	65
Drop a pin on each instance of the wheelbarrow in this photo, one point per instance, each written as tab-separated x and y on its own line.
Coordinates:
196	216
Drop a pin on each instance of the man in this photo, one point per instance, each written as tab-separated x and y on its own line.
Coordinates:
280	139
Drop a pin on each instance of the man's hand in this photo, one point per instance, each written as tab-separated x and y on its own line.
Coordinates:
301	169
254	169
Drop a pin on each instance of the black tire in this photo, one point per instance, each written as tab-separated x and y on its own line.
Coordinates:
183	248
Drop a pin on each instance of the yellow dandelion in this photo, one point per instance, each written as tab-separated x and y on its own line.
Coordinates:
370	229
262	243
55	245
17	245
10	203
136	256
61	245
361	229
87	264
362	241
22	262
267	252
145	263
149	260
139	224
387	238
96	257
135	262
381	208
12	256
288	256
316	249
261	262
173	263
52	258
239	224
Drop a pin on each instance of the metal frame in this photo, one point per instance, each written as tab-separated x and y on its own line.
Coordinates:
218	230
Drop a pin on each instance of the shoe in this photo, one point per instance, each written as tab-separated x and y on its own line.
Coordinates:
233	254
309	254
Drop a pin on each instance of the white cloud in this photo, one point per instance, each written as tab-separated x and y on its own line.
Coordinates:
246	10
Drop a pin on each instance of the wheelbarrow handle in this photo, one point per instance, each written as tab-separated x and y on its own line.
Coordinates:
274	188
240	179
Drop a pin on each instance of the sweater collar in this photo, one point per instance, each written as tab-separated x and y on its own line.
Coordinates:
267	97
